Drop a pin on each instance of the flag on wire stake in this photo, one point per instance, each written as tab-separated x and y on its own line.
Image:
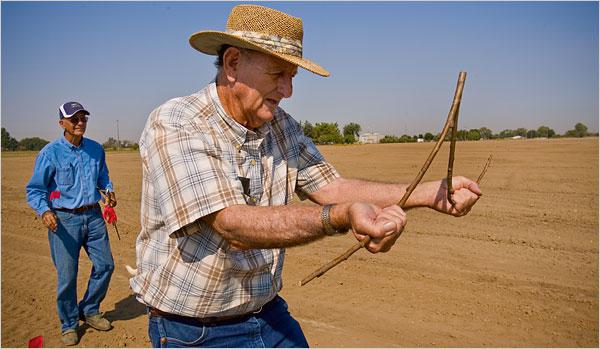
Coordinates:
111	217
109	214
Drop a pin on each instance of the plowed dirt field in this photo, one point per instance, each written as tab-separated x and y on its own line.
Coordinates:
521	270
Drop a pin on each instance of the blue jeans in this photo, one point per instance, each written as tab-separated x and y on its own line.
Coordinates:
273	327
77	230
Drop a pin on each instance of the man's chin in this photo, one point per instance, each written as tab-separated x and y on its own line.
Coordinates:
264	117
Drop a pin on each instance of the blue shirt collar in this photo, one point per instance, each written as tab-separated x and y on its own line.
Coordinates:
70	145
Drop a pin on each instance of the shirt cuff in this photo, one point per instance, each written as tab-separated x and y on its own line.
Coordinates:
41	211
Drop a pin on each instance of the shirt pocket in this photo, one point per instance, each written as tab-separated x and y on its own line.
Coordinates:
64	175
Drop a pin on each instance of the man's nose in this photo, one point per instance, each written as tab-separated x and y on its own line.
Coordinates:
285	86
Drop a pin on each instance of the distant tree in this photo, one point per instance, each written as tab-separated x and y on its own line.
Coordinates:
111	143
506	133
461	135
135	146
580	130
350	133
521	132
308	129
473	135
327	133
486	133
389	139
406	139
352	129
34	143
532	134
349	139
545	131
428	136
571	133
8	142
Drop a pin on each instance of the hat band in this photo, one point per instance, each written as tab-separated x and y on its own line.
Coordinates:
271	42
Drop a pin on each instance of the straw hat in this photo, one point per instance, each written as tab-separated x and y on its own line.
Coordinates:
262	29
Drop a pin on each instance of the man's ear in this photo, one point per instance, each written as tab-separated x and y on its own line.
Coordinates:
231	61
61	123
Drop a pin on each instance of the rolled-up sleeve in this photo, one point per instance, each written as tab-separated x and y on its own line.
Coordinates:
37	188
189	175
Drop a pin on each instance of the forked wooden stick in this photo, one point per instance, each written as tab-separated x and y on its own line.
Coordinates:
452	116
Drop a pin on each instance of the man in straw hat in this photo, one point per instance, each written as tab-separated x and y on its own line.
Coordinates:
220	168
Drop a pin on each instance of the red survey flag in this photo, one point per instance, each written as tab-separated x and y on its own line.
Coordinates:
36	342
109	215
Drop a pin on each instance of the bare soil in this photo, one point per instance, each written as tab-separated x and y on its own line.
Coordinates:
521	270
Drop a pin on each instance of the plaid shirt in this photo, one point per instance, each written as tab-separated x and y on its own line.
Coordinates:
196	160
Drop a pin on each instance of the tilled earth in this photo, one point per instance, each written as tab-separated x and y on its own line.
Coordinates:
521	270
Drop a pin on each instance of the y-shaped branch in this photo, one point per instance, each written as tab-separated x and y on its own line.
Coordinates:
451	120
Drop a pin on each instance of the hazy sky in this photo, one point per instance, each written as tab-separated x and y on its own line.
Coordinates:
394	64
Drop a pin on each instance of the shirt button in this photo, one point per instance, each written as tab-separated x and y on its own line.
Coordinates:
253	199
163	340
252	162
238	147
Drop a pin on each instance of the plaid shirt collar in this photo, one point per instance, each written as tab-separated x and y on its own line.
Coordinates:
236	132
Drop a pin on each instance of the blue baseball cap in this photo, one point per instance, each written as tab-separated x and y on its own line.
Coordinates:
70	108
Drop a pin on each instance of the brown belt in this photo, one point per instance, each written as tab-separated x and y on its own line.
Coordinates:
217	320
78	209
202	321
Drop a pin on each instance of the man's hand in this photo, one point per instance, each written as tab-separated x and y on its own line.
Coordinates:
111	199
49	220
384	226
466	194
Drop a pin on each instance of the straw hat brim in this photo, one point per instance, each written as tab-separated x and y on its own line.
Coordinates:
210	41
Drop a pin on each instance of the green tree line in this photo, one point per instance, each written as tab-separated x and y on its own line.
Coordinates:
329	133
10	143
36	143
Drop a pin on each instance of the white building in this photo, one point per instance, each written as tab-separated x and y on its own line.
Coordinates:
369	138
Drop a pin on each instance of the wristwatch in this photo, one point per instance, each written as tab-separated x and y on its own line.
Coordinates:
326	221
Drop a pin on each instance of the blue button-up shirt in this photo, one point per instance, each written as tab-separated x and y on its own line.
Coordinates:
76	172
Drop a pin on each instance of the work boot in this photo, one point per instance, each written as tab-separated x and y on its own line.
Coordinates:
98	322
69	337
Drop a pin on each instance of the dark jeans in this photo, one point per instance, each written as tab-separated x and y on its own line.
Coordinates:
273	327
77	230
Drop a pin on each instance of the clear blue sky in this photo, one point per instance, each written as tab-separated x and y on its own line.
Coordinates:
394	64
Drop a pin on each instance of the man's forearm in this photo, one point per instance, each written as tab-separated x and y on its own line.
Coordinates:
247	227
381	194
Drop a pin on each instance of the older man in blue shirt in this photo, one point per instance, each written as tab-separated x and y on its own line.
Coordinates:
64	190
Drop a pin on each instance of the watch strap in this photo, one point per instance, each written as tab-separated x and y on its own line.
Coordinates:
326	221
